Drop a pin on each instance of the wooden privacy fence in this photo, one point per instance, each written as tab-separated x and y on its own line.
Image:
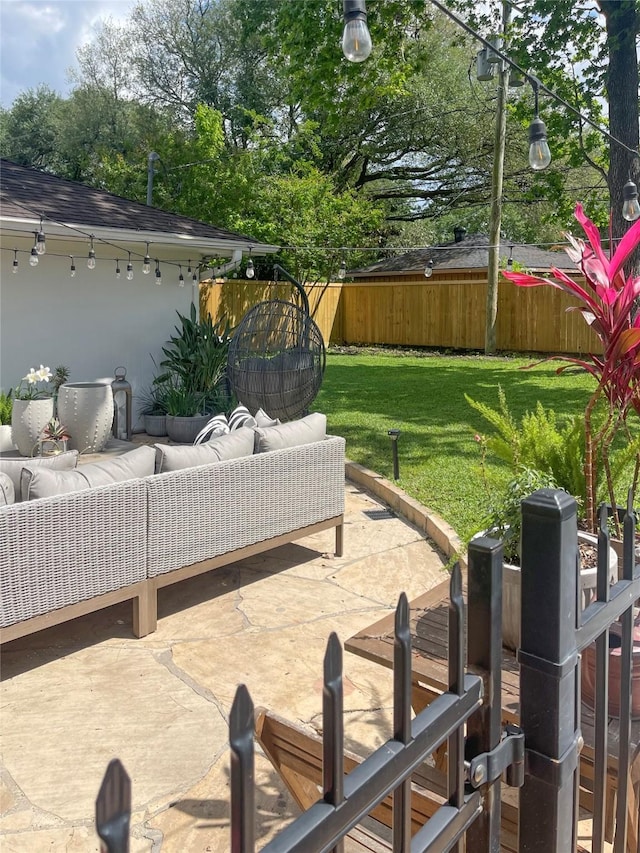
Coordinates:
448	310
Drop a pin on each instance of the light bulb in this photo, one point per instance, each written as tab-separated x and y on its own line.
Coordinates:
72	269
129	271
180	280
194	279
428	270
343	270
356	41
630	207
33	260
91	260
146	265
40	243
539	154
14	268
158	274
118	274
251	270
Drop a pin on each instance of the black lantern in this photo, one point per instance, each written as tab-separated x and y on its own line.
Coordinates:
122	402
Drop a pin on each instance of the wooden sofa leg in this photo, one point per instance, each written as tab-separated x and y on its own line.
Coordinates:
339	539
145	611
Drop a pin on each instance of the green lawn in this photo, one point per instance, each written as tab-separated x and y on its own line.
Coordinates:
364	395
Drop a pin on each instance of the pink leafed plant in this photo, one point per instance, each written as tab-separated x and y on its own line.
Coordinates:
609	305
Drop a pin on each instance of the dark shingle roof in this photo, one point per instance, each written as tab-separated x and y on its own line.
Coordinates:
471	252
28	193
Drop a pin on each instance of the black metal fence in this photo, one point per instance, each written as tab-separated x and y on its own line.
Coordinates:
468	716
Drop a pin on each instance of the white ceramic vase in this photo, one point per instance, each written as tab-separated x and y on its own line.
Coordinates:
28	419
6	442
86	409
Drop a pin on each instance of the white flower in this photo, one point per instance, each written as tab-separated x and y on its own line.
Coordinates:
44	374
32	376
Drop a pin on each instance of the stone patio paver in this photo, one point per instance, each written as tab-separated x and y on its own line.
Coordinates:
78	694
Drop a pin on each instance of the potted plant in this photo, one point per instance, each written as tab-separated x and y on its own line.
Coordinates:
542	452
154	409
54	438
193	383
6	405
34	401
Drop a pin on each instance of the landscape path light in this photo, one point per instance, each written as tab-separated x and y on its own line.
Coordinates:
393	435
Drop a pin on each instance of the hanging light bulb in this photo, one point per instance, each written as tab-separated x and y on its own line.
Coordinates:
342	271
14	267
194	278
146	263
91	259
180	279
129	268
251	270
428	270
158	273
356	41
40	240
34	259
510	259
539	154
630	207
72	268
118	275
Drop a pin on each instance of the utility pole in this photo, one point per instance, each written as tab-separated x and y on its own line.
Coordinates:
151	160
496	194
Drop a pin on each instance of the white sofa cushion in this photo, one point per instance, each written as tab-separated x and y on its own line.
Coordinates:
306	430
171	457
39	482
7	491
13	467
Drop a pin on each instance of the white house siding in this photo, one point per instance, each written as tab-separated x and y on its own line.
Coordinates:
93	322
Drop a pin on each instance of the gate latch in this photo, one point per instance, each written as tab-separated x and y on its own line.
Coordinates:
508	755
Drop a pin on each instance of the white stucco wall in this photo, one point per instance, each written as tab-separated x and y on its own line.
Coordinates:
92	323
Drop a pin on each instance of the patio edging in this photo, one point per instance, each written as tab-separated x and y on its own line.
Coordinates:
427	521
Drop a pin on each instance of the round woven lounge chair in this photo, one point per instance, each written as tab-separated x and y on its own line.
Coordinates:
276	359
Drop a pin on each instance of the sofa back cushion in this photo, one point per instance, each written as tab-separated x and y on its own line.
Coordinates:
171	457
306	430
37	482
13	467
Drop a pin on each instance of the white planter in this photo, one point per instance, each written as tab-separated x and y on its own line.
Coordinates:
86	409
511	598
28	419
6	442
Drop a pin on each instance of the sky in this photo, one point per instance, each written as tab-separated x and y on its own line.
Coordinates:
39	39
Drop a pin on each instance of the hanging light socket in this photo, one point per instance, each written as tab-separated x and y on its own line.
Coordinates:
41	247
146	263
14	266
251	270
539	153
342	272
428	270
34	259
630	205
72	268
158	273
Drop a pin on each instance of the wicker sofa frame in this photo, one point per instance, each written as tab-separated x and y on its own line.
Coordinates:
69	555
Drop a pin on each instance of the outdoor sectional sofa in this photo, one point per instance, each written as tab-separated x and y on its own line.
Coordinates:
72	553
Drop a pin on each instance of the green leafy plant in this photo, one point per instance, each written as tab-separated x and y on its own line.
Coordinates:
608	304
504	514
6	407
195	360
183	402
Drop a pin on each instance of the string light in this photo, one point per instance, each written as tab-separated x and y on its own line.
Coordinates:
342	272
117	268
539	153
72	268
129	268
14	266
41	247
630	206
195	277
91	260
510	258
158	273
428	270
146	263
356	40
33	260
251	270
180	278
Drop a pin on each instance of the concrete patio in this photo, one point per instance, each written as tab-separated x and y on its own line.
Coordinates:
76	695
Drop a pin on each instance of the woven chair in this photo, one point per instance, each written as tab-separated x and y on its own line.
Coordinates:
276	359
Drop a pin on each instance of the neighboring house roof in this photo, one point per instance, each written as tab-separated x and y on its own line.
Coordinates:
470	252
27	194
